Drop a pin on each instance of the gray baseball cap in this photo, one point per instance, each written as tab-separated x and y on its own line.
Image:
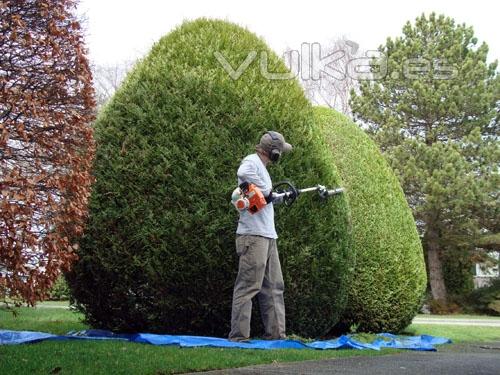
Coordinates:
272	138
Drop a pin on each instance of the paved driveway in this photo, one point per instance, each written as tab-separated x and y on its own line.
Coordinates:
472	359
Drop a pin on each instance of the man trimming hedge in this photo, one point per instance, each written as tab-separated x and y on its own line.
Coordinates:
259	271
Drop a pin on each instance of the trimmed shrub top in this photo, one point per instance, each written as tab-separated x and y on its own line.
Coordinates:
159	253
389	280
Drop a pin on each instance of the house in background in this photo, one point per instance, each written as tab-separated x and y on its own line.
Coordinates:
486	273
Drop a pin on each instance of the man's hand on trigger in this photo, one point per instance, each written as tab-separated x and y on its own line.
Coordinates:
270	198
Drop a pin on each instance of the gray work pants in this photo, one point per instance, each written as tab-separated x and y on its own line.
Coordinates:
259	273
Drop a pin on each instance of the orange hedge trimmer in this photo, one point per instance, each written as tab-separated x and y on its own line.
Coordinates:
247	196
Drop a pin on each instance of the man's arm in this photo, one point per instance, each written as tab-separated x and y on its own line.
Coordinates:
247	172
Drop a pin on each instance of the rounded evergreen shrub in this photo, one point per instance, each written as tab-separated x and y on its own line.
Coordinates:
389	279
159	252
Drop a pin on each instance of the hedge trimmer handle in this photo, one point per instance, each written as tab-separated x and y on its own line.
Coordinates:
290	195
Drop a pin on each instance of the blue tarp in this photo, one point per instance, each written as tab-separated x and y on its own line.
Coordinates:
385	340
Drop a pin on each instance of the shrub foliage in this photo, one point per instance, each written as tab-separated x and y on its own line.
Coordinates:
485	300
389	280
159	253
59	291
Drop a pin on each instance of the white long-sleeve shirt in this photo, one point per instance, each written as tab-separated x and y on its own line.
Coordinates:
252	170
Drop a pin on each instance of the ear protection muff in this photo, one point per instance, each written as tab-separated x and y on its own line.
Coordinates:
275	152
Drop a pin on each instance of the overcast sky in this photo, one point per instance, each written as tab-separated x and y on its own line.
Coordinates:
120	30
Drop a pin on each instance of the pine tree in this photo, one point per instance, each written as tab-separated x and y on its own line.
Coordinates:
432	110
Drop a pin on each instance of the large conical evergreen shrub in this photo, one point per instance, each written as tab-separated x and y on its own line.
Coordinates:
389	279
159	251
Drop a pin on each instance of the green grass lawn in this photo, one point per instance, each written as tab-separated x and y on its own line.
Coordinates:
458	334
459	316
116	357
53	303
54	320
